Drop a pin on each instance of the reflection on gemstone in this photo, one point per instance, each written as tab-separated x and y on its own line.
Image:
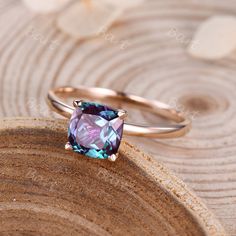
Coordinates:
95	130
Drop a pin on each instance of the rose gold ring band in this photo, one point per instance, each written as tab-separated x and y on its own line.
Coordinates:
181	123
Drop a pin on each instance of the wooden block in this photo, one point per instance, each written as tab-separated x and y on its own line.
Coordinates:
46	190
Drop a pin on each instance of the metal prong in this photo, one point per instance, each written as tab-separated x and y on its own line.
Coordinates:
122	114
68	146
113	157
77	103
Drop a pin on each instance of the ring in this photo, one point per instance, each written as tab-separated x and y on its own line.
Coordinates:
96	130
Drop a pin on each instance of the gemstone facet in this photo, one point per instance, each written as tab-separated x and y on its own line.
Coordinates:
95	130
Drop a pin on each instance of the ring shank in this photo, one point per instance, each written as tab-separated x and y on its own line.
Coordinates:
181	126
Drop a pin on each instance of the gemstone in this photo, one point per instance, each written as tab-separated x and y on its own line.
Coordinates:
95	130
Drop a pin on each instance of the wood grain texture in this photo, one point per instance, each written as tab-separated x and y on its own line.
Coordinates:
46	190
35	56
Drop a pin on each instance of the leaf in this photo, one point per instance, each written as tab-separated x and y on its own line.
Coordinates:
83	20
45	6
215	38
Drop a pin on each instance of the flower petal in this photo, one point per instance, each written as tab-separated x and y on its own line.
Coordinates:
85	20
124	3
45	6
215	38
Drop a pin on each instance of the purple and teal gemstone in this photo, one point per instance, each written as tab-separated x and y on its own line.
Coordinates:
95	130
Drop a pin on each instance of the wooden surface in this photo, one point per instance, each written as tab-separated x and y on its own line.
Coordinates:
153	64
49	191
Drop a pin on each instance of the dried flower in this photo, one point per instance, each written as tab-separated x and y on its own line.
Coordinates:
45	6
84	18
215	37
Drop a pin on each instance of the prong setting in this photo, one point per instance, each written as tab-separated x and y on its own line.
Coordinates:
122	114
113	157
68	146
77	103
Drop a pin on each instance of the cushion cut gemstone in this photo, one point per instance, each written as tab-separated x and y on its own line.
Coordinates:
95	130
